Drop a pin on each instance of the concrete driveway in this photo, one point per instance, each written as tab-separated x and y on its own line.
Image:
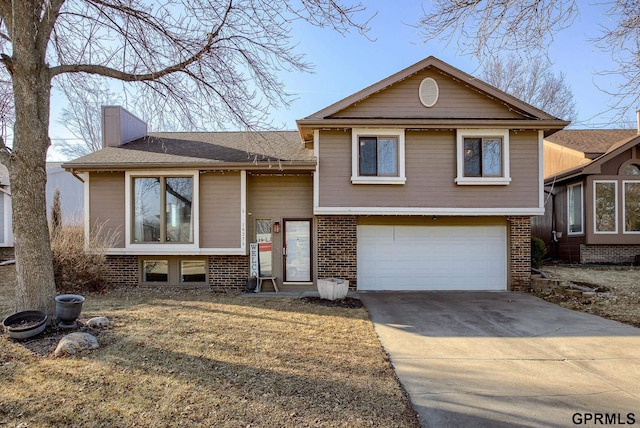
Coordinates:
479	359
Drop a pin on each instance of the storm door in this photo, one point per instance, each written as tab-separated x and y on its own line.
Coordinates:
297	250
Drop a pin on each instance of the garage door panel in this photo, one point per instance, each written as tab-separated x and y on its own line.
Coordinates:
431	258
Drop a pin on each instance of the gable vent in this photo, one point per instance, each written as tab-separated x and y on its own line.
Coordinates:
429	92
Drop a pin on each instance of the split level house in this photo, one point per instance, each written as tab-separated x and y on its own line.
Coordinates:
592	195
426	180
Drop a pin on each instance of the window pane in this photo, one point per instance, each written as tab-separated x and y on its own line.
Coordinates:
155	271
146	195
630	169
472	157
368	156
632	206
491	158
179	197
263	238
575	209
193	271
605	207
2	216
387	156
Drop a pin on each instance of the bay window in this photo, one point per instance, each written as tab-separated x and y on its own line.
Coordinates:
606	206
631	205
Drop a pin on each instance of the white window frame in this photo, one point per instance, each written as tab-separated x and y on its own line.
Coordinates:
356	133
624	208
195	213
503	134
595	225
581	232
7	223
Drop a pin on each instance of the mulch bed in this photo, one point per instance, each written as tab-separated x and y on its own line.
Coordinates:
347	302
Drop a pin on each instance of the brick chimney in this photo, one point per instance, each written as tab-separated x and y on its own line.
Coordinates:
120	127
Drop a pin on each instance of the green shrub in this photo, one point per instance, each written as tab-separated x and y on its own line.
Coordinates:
538	251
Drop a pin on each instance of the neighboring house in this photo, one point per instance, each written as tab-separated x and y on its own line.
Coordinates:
592	187
71	197
6	233
426	180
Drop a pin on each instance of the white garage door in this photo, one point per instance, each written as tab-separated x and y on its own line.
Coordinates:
432	258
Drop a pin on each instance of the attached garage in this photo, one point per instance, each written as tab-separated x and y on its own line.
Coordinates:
408	257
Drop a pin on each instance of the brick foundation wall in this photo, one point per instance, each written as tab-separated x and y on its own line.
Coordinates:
520	253
337	240
123	270
228	273
618	254
6	253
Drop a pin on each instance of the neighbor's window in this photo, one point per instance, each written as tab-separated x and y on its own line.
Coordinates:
605	210
155	271
162	209
193	271
483	157
631	206
378	156
575	207
2	217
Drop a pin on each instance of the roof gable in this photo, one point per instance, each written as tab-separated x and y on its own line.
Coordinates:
397	96
591	142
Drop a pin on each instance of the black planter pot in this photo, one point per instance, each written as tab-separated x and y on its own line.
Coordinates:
252	284
68	308
25	324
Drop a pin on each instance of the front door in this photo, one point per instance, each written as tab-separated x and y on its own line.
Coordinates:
297	250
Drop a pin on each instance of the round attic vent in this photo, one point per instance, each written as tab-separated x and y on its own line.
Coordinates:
428	92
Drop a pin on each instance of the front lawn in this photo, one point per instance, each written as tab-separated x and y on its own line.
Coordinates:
195	358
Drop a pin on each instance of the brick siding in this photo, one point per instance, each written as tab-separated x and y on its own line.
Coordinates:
337	241
519	253
618	254
228	273
123	270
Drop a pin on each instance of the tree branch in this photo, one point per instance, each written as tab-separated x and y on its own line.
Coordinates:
140	77
49	18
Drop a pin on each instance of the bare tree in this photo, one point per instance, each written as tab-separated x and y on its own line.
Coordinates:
487	27
533	82
214	59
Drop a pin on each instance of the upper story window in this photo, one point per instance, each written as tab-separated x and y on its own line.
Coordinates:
378	156
629	169
575	209
483	157
162	209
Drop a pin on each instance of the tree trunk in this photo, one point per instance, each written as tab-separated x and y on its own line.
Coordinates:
35	288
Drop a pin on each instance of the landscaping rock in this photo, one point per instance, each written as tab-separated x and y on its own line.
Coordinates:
98	322
76	342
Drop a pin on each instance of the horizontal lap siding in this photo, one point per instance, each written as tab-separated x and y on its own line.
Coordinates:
107	204
280	196
220	210
455	100
431	171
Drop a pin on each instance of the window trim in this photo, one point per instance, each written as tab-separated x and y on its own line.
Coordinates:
129	207
502	180
581	232
615	192
356	134
624	208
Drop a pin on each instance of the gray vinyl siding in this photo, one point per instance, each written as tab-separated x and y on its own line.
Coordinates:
107	204
455	100
430	172
220	210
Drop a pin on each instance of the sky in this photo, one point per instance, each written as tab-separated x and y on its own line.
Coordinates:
345	64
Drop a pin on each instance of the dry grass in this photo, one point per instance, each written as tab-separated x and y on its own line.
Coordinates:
620	301
193	358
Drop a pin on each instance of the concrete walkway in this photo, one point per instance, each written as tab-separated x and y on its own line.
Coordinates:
478	359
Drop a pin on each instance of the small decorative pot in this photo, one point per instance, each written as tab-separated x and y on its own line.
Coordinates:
25	324
68	308
333	288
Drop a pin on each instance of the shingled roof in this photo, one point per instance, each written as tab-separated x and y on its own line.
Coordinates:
202	149
591	142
